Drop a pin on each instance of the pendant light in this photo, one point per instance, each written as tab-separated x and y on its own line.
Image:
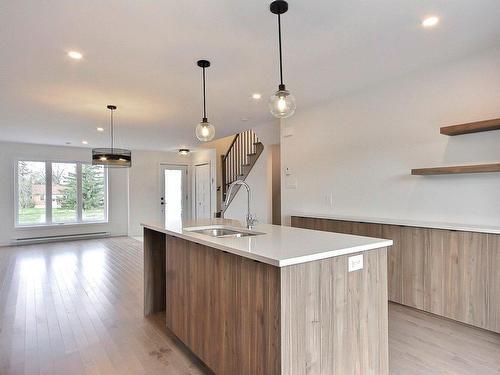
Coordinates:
112	157
282	103
205	131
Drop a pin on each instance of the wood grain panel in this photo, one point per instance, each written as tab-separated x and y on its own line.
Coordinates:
494	283
452	270
334	322
457	169
415	244
434	272
225	308
394	262
471	127
366	229
474	284
392	232
465	290
154	271
445	272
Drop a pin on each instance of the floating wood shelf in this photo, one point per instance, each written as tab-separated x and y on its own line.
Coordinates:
472	127
481	168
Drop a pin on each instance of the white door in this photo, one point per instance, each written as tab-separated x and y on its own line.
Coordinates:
202	191
173	192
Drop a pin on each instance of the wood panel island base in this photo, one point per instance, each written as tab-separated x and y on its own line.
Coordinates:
290	312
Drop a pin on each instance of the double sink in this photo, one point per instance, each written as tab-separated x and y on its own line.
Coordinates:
222	231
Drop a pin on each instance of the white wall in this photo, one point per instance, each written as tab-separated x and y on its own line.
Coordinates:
361	148
11	152
144	186
268	133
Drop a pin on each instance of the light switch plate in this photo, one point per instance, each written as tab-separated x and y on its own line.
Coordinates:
355	263
291	182
287	131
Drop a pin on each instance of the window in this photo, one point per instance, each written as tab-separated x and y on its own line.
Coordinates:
93	192
64	193
31	184
60	193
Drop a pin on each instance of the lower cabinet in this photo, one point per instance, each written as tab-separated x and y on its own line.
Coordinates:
454	274
244	317
224	308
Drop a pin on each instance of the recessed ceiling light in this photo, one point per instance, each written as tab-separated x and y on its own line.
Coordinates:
430	21
244	119
68	143
256	96
183	151
100	129
75	55
85	142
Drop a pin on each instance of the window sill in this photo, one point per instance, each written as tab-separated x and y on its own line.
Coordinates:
63	225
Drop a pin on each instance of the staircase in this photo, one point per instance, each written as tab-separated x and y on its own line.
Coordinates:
239	160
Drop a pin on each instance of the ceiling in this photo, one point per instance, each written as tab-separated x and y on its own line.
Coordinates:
140	55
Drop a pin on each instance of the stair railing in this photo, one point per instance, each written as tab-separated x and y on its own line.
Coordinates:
236	158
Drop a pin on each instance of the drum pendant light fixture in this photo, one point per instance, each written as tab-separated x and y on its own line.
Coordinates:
112	157
282	103
205	131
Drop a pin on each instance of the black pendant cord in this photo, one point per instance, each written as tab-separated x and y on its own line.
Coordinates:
281	53
112	132
204	99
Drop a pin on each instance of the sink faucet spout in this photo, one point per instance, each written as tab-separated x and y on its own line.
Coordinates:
251	220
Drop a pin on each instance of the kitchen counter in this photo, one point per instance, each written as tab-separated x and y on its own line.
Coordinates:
462	260
405	223
278	245
287	301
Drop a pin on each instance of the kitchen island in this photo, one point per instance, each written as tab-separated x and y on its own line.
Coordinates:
274	300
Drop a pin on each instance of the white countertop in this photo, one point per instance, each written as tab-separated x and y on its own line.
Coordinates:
278	245
409	223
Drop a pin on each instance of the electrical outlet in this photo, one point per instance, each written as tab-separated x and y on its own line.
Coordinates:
355	263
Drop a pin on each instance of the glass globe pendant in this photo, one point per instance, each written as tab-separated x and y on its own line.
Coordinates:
205	131
282	103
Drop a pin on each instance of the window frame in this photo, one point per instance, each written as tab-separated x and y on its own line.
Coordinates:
48	195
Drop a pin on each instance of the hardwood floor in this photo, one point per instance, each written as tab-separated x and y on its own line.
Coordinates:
76	308
424	344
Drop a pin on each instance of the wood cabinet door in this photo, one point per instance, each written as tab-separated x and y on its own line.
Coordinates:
394	262
415	244
225	308
494	282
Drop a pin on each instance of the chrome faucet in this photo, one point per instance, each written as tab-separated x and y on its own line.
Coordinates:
251	220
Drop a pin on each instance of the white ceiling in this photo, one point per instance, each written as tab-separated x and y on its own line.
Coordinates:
140	55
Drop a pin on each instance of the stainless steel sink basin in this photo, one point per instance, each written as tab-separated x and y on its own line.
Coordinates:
220	231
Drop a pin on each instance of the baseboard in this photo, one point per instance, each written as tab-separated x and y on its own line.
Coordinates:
58	238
